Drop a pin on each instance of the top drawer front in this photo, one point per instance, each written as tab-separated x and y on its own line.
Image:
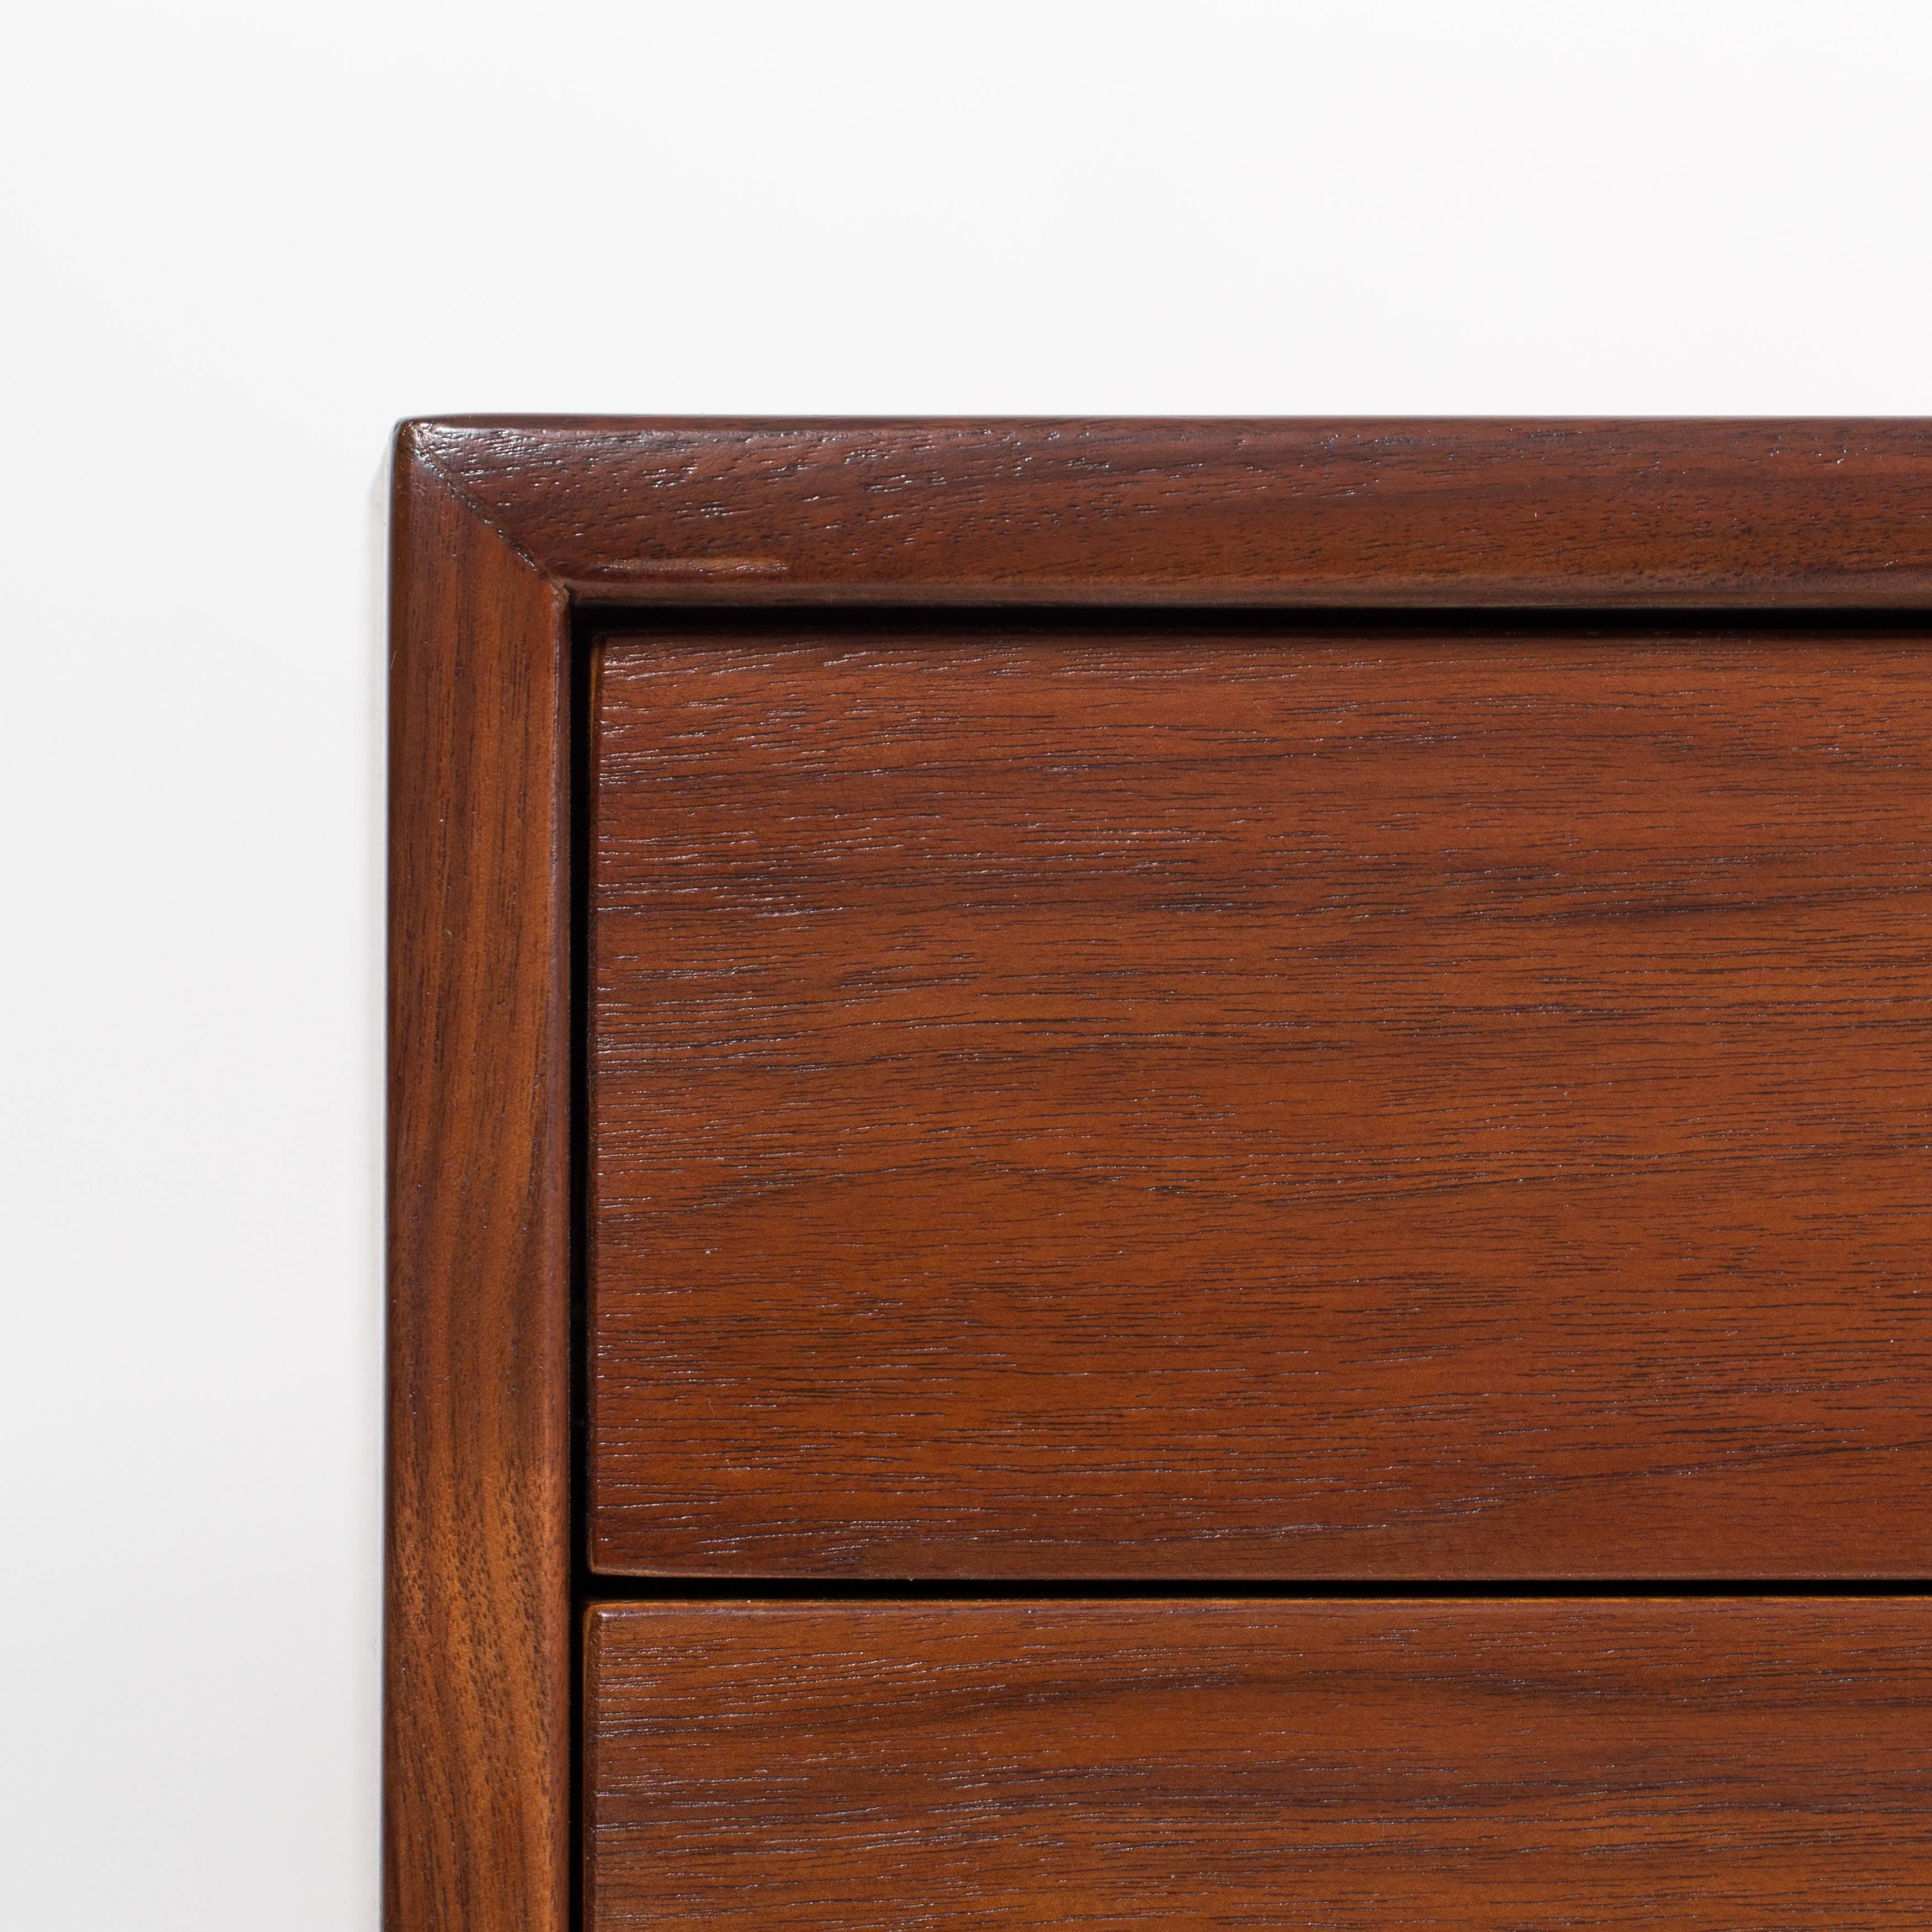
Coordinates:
1088	1103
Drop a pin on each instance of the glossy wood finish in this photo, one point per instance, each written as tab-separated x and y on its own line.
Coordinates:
502	526
1222	1103
1703	1765
477	1711
1324	512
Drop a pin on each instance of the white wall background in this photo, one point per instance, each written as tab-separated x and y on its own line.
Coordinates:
239	239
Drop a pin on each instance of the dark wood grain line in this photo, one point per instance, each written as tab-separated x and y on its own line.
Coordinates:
477	1710
1351	1766
1345	512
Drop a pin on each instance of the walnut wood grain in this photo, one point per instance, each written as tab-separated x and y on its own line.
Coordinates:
1212	1102
1801	512
1672	941
1350	1766
477	1709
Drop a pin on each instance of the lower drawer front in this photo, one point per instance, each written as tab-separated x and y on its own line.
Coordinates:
1469	1763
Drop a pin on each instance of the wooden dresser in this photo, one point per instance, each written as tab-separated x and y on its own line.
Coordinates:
1161	1174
